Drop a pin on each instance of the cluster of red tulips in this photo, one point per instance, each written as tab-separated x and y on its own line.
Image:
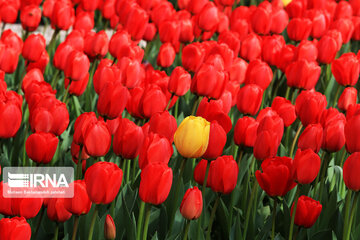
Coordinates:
154	101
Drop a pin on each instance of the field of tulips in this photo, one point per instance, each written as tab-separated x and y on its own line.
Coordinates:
183	119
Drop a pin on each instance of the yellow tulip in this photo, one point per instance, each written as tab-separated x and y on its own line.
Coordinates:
192	137
286	2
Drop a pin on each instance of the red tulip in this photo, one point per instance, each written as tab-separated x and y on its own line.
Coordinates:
179	82
89	5
307	211
334	136
155	149
41	147
30	17
128	139
96	44
245	132
271	47
208	17
259	73
97	138
169	31
153	100
280	20
347	98
56	210
251	47
9	11
261	19
345	27
311	137
163	124
266	145
192	204
306	166
309	107
132	72
80	204
77	66
299	29
217	141
40	63
76	88
303	74
109	228
5	203
34	46
192	56
15	228
155	184
26	207
275	178
103	181
327	48
285	109
10	114
166	55
306	50
249	99
63	15
352	131
285	57
346	69
136	22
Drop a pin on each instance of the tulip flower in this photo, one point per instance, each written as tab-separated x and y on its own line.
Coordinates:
245	132
251	47
352	131
347	98
179	82
311	138
192	137
299	29
56	210
103	181
309	107
249	99
21	207
223	174
192	56
109	228
163	124
63	15
258	73
34	46
285	109
327	49
97	138
80	204
192	204
306	166
77	66
15	228
346	69
217	141
41	147
307	211
199	172
302	74
30	17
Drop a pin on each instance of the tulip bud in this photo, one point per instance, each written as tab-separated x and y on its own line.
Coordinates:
76	88
327	49
306	50
334	136
103	181
109	228
208	17
80	203
309	107
251	47
77	66
347	98
166	55
299	29
266	144
163	124
63	15
223	174
34	46
245	132
285	109
261	20
179	82
352	131
307	211
30	17
259	73
192	204
346	69
280	20
192	56
56	210
249	99
217	141
20	207
271	47
192	137
97	138
15	228
311	137
155	183
303	74
306	166
10	114
41	147
153	100
275	178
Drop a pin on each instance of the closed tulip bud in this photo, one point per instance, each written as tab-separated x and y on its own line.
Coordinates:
307	211
9	12
208	17
280	20
41	147
217	141
40	63
299	29
192	137
80	126
276	178
311	137
112	100
179	82
10	117
259	73
320	22
80	204
271	47
347	98
96	44
306	166
33	47
249	99
237	71
303	74
251	47
76	88
345	27
155	183
15	228
136	22
103	181
30	17
11	39
186	31
5	203
105	72
192	56
285	57
223	174
309	107
327	49
343	10
266	145
97	139
272	123
77	66
61	54
285	109
346	69
63	15
261	20
306	50
352	131
109	228
192	204
134	101
199	172
128	139
169	31
153	100
132	72
155	149
295	8
56	210
163	124
20	207
150	32
90	6
334	136
166	55
245	132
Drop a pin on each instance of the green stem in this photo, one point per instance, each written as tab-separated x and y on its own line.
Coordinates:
353	210
347	213
202	194
233	192
76	225
56	232
66	93
186	230
176	109
240	157
55	78
254	189
128	170
52	41
294	212
147	219
92	225
133	171
212	217
140	220
323	173
168	105
196	104
295	140
339	87
39	222
287	92
342	157
177	189
274	219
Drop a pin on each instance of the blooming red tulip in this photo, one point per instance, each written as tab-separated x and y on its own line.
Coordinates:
136	22
347	98
63	15
9	11
350	170
169	31
217	141
153	100
271	47
90	6
352	131
345	27
266	144
166	55
306	166
311	137
245	132
128	139
249	99
307	211
208	17
192	204
302	74
155	149
179	82
163	124
40	63
333	134
276	178
285	109
327	49
33	47
280	20
306	50
15	228
251	47
80	204
103	181
132	72
41	147
309	107
26	207
261	20
285	57
346	69
96	44
97	138
299	29
56	210
77	66
30	17
259	73
155	184
192	56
